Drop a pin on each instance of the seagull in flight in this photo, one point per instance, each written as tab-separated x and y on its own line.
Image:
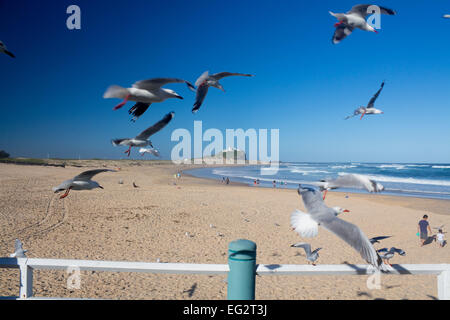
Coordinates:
377	239
144	92
206	80
152	151
141	140
18	250
306	225
80	182
355	18
310	256
369	109
4	49
352	180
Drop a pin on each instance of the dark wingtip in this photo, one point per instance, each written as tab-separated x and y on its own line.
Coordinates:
10	54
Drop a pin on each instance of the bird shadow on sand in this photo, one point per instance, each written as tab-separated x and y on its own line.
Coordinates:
191	291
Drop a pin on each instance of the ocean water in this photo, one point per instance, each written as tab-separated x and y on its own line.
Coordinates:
405	179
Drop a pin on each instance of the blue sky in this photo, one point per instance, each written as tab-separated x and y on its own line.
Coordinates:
51	94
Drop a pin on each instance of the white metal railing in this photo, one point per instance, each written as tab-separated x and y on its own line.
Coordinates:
27	265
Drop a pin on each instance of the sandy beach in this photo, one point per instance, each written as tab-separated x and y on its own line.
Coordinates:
150	222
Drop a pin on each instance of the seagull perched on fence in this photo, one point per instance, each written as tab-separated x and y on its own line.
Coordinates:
306	225
369	109
141	140
387	255
5	50
355	18
18	250
206	80
310	256
145	93
80	182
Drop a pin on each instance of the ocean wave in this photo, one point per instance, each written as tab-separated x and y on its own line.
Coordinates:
343	167
383	178
307	172
392	166
441	167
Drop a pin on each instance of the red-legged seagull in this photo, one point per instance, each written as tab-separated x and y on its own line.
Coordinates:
206	80
306	225
145	93
355	18
369	109
80	182
141	140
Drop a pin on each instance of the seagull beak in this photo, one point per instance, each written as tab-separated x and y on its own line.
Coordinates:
179	97
346	210
100	187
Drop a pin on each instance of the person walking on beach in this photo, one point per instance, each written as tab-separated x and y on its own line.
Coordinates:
274	183
228	180
422	228
440	238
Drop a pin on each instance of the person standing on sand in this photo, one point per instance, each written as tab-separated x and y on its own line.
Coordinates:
422	228
228	180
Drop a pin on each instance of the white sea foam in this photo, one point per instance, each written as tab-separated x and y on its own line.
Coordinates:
405	180
441	167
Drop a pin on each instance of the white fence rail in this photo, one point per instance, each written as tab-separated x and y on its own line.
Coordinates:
27	265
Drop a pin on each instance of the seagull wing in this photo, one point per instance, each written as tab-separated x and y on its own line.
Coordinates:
220	75
305	246
312	199
375	96
379	238
361	9
138	109
156	83
303	224
200	96
341	32
351	234
144	135
87	175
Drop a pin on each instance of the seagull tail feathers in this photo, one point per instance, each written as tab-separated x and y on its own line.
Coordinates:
115	91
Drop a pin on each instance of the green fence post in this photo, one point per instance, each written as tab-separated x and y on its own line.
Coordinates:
242	262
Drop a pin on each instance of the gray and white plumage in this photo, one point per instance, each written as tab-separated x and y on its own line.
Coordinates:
5	50
81	182
18	250
446	16
311	256
377	239
352	180
145	92
306	224
369	109
152	151
386	254
355	18
141	140
206	80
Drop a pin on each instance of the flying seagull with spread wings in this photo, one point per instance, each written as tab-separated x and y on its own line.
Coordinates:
311	256
306	225
141	140
145	93
355	18
357	181
80	182
207	80
369	109
4	49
